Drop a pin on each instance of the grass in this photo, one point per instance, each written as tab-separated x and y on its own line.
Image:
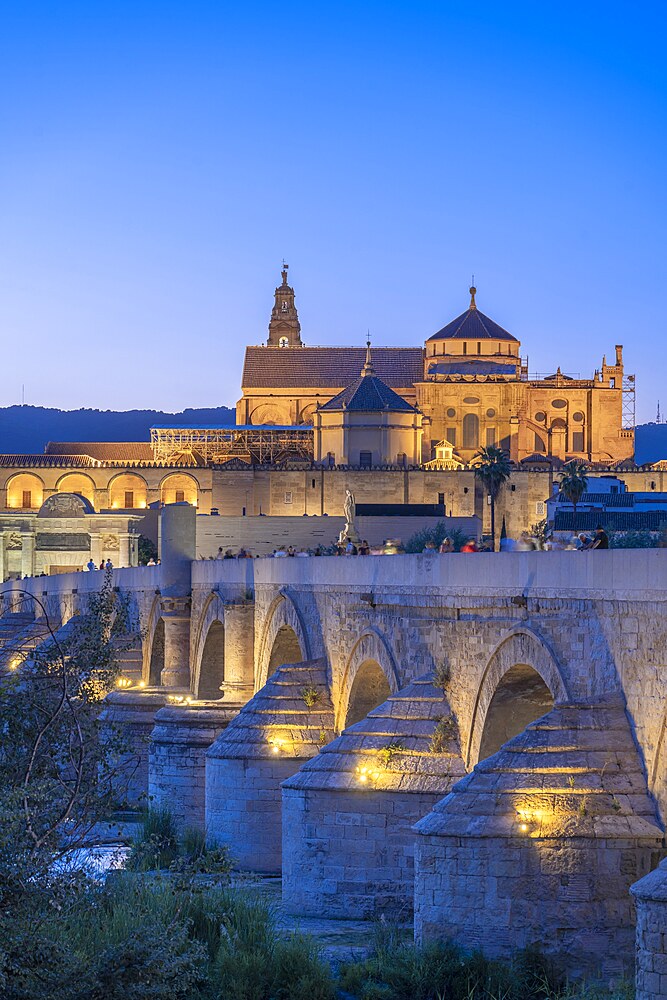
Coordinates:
165	939
444	971
159	847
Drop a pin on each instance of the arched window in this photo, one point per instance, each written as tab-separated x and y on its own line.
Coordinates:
471	431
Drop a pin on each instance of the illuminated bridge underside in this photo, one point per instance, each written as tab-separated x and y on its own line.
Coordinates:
211	445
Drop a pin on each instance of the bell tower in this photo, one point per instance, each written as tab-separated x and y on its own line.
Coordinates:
284	327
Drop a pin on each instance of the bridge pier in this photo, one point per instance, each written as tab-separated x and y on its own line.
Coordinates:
284	725
126	722
650	895
176	618
348	843
540	843
177	759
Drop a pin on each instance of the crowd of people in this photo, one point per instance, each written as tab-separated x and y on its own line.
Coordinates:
393	546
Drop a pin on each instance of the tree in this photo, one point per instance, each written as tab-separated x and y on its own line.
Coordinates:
574	483
56	775
492	469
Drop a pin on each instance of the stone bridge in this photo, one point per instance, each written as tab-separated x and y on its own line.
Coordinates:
378	692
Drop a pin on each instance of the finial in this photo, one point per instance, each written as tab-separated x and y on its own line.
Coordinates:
284	271
473	291
368	364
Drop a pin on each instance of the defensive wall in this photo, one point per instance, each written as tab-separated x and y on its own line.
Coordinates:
558	658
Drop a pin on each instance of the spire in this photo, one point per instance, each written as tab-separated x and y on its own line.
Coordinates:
473	292
368	364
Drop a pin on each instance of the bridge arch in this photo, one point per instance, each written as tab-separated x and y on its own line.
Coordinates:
521	671
208	651
283	639
369	678
153	646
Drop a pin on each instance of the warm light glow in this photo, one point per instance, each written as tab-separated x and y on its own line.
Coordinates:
188	700
364	773
142	684
524	827
15	662
275	749
175	699
123	682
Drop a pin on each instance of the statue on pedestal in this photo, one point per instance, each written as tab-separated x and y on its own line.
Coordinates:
349	509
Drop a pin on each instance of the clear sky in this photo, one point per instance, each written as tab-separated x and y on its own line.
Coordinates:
158	161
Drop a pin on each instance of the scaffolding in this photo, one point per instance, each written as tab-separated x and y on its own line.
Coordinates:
256	444
628	402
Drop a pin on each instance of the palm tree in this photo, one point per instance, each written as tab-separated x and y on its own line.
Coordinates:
574	483
492	468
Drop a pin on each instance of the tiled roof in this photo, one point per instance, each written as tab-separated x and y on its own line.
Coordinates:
602	499
46	461
472	325
611	520
104	451
368	393
329	367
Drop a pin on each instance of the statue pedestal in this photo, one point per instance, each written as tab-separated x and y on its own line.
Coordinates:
349	532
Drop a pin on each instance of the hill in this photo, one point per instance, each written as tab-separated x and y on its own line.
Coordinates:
27	429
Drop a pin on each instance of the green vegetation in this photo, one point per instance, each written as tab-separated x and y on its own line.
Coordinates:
310	695
159	847
159	940
437	535
444	733
386	753
399	971
492	469
574	482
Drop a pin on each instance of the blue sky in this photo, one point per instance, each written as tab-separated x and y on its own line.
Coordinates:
158	161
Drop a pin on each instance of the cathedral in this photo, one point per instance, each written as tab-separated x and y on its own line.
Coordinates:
468	386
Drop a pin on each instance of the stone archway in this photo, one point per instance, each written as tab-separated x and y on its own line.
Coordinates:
283	617
156	661
285	649
153	647
370	688
520	698
369	665
212	663
524	674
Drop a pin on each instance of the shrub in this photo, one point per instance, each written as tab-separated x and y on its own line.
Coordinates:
157	844
386	753
310	696
436	534
444	733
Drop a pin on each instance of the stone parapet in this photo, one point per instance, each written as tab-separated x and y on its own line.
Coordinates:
650	895
285	724
348	844
177	759
540	843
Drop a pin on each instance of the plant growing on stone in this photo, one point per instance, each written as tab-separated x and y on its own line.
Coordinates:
445	732
387	753
442	675
310	695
